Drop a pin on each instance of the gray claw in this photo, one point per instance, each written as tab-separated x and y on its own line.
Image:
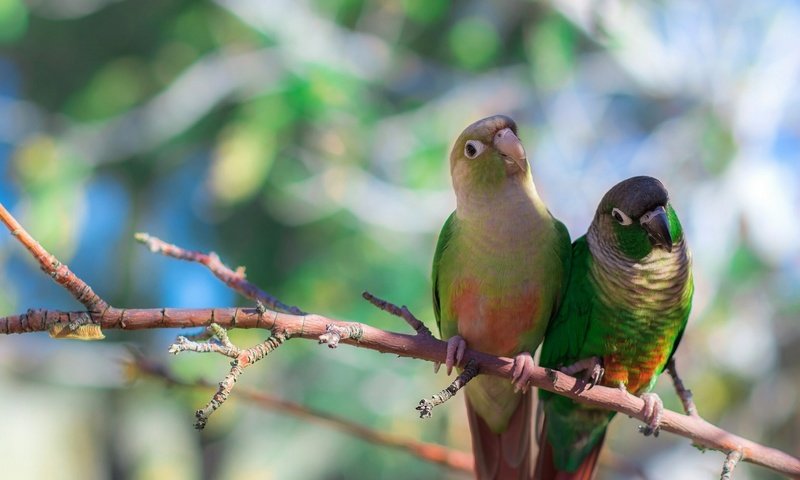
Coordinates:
591	367
653	411
596	375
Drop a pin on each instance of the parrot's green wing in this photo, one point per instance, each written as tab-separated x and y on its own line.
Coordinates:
444	241
571	431
566	332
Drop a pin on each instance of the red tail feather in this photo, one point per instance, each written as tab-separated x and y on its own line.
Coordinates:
547	470
507	455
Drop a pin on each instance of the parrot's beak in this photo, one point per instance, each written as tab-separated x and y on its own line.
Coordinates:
511	148
656	224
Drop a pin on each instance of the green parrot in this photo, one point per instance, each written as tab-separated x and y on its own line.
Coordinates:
627	302
499	271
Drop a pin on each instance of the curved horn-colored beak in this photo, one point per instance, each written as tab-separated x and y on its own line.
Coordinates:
509	145
656	224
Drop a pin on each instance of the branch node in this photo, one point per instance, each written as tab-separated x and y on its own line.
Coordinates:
233	279
425	407
242	360
217	342
551	375
336	333
734	457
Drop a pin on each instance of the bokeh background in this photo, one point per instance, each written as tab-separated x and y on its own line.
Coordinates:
307	141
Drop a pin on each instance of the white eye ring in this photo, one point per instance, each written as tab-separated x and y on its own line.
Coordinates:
620	216
473	148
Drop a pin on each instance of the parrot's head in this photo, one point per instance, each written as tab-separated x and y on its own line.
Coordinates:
635	217
487	154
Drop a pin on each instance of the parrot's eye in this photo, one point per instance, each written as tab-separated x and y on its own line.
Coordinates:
621	217
473	148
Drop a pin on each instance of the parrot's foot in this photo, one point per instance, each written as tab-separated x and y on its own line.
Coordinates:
455	353
522	371
592	368
653	411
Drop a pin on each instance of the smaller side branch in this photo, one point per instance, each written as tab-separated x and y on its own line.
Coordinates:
402	312
733	458
60	273
219	342
425	407
683	393
234	279
336	333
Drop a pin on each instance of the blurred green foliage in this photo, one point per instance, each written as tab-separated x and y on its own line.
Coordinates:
307	141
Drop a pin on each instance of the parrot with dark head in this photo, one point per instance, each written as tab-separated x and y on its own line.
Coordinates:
498	274
625	309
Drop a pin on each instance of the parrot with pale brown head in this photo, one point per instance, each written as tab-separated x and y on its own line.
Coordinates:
498	274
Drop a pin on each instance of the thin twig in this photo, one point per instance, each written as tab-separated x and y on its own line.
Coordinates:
425	407
683	393
734	456
234	279
424	347
402	312
223	346
60	273
453	459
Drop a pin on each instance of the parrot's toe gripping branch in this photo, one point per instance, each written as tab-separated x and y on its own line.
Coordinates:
683	393
734	457
455	354
425	407
336	333
592	368
218	342
653	411
522	371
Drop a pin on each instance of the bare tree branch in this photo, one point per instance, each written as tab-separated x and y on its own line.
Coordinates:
453	459
421	346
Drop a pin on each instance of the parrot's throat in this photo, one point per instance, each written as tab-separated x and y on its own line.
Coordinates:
656	282
646	302
498	210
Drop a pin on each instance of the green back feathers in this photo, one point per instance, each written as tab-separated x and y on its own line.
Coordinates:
566	332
